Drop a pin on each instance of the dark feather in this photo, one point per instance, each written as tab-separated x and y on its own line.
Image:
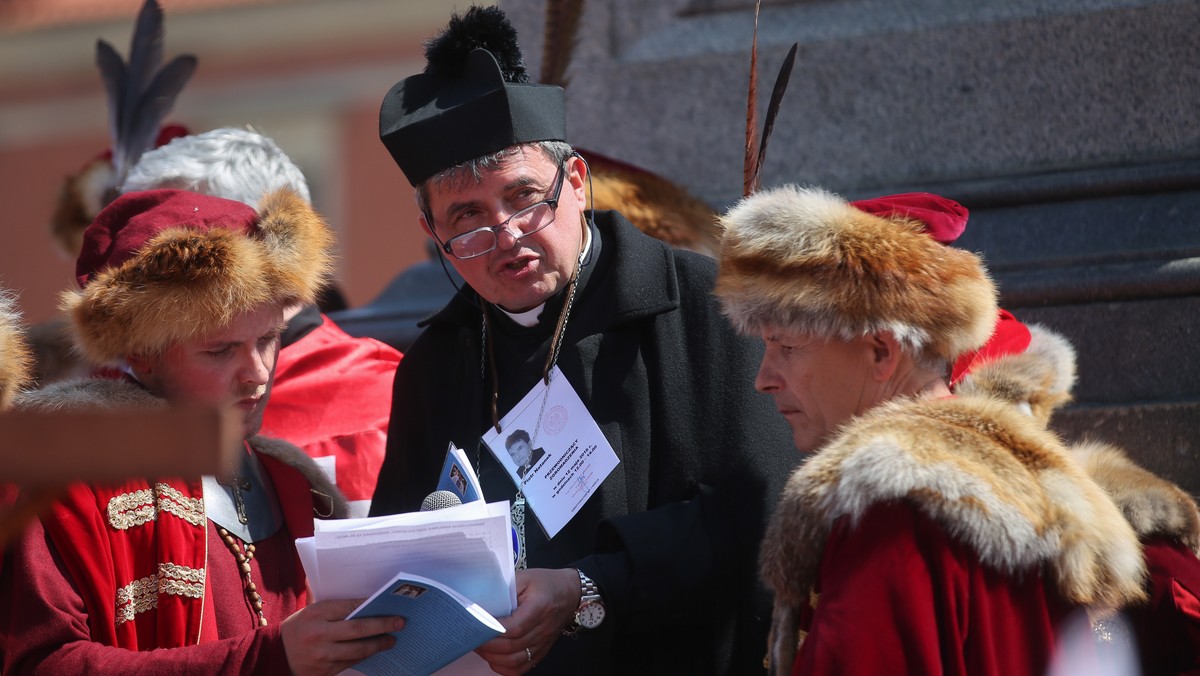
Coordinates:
561	37
750	164
154	105
112	73
781	83
480	28
145	56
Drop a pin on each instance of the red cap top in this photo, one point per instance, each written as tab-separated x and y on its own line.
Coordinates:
1010	337
133	219
944	219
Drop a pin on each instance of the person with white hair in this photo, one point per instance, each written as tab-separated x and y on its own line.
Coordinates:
333	392
926	532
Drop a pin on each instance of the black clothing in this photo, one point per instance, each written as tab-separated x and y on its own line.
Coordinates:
671	537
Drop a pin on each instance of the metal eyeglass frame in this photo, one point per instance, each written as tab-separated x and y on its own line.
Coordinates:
551	201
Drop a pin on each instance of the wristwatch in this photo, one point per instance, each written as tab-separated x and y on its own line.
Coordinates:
590	612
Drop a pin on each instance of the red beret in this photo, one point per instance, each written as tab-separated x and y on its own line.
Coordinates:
124	227
1010	337
944	219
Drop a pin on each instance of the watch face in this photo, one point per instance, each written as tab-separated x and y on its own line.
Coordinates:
590	615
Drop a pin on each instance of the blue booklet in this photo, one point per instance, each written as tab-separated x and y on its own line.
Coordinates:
441	626
458	476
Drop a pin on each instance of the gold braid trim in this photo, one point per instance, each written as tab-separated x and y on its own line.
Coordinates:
131	509
140	507
174	502
142	595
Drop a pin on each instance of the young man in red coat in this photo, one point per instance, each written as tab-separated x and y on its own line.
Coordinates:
333	392
927	533
183	296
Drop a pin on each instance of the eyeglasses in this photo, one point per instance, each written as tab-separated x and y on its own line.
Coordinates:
527	221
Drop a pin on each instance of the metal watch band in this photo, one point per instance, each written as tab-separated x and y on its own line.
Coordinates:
588	593
587	588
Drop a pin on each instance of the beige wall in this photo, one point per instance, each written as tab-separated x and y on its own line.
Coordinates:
309	73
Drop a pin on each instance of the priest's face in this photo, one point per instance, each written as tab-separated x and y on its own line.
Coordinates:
521	272
231	367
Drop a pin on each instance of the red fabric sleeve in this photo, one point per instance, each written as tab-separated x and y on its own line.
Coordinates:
900	596
1168	627
44	628
876	613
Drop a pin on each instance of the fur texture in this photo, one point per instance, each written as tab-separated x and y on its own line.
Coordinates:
82	196
1152	505
100	394
656	206
16	361
183	282
1039	380
993	477
479	28
807	260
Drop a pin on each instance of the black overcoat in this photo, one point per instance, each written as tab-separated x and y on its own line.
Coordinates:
672	535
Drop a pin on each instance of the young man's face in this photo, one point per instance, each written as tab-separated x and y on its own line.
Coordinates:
229	367
817	383
518	274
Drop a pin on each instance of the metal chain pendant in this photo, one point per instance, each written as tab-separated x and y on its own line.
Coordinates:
518	522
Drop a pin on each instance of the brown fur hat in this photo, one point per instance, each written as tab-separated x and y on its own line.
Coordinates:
807	260
164	266
16	363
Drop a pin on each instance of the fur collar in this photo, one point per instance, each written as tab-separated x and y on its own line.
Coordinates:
991	475
16	362
92	394
1152	505
1039	380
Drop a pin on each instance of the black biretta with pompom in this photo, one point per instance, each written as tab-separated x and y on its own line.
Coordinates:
473	99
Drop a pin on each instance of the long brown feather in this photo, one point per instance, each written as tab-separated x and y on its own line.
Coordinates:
750	167
781	83
560	37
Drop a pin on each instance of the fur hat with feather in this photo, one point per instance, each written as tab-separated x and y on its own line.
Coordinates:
16	361
140	94
806	260
164	266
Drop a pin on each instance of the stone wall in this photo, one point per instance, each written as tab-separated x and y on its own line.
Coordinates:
1070	128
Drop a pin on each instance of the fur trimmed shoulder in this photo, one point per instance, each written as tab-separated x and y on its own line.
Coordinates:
992	476
89	394
295	458
1151	504
1038	380
16	361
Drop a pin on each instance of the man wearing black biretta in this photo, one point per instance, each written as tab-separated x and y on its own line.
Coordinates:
656	572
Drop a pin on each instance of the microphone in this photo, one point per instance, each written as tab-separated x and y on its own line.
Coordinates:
439	500
443	499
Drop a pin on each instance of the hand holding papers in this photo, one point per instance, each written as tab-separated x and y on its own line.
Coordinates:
467	549
441	623
558	454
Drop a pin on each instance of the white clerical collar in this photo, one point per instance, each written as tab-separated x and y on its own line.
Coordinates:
527	318
530	317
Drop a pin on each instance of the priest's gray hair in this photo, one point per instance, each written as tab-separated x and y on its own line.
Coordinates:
473	170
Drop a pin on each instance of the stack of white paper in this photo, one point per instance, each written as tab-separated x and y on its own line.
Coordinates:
467	548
